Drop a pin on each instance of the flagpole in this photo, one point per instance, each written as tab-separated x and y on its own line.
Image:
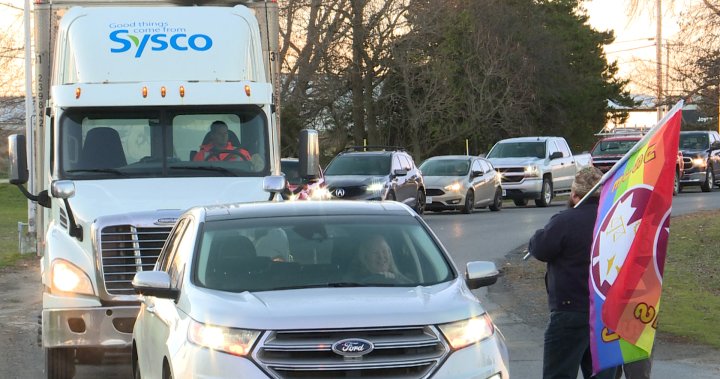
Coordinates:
632	151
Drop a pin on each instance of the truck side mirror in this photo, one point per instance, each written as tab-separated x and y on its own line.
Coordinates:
556	155
309	154
18	159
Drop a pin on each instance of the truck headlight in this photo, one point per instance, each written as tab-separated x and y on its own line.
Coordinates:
67	277
375	187
532	171
453	187
467	332
232	341
699	162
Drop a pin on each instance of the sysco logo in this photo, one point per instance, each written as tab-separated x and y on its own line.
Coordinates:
159	42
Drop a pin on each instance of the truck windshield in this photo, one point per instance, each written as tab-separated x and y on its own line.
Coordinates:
617	147
694	141
157	142
291	252
518	150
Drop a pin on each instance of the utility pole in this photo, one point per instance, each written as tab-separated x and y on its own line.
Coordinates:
658	56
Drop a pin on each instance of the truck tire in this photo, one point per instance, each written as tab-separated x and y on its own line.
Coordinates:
709	182
497	201
520	202
676	185
60	363
469	205
546	194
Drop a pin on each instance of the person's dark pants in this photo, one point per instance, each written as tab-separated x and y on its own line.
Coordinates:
567	346
636	370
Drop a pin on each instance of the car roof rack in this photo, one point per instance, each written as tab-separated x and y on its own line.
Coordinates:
624	131
373	148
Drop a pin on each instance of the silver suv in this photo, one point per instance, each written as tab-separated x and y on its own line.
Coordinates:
376	173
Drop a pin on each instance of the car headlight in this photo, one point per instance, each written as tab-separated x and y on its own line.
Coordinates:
453	187
232	341
375	187
698	162
532	171
67	277
467	332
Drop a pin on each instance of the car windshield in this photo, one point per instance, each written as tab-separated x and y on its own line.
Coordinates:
359	164
445	167
518	150
112	143
616	147
694	141
292	252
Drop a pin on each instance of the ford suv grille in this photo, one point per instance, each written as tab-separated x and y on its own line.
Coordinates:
125	250
412	352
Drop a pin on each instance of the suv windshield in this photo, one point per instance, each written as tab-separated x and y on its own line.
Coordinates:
359	164
445	167
518	150
155	142
616	147
332	251
694	141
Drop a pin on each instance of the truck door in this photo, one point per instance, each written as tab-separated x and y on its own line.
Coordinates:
564	167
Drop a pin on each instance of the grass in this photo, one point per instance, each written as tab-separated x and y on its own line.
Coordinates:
14	208
691	285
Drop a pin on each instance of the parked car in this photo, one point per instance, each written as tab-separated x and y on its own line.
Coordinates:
376	173
216	305
611	148
299	188
461	182
537	168
701	157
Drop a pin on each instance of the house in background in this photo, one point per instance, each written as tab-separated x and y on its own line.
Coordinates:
644	116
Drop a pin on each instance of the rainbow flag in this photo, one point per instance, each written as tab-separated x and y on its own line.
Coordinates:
629	247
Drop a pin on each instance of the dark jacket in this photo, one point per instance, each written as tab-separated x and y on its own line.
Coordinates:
565	244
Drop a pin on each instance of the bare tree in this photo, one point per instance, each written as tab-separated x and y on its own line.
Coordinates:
11	61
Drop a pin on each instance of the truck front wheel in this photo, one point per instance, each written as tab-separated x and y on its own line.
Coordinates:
59	363
546	195
709	180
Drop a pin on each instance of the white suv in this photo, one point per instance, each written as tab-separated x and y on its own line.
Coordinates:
258	291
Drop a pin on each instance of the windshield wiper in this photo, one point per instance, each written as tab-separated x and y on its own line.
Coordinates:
99	170
205	168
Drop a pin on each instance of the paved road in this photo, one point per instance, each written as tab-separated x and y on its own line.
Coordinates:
490	236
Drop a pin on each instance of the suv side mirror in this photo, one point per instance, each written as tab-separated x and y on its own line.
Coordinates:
556	155
400	172
476	173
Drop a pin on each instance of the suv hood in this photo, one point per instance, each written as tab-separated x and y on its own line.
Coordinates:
514	162
353	180
694	153
335	307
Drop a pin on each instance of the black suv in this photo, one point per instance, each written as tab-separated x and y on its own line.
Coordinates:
701	158
376	173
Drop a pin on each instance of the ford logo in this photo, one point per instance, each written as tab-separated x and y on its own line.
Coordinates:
353	347
340	192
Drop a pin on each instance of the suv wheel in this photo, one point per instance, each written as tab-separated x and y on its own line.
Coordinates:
546	194
469	202
709	182
420	202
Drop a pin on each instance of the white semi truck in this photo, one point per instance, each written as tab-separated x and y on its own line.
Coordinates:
126	94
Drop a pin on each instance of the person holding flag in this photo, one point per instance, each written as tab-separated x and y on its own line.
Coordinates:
564	244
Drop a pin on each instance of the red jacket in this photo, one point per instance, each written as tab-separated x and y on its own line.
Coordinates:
208	150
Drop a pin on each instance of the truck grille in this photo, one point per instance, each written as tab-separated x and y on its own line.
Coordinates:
412	352
125	250
511	174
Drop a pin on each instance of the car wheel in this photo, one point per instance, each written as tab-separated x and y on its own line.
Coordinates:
497	201
135	364
166	374
676	185
60	363
391	196
469	204
546	194
707	185
420	202
520	202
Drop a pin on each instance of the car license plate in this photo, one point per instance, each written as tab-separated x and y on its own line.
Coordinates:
504	193
428	199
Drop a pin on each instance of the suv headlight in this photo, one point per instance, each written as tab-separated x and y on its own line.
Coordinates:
320	193
454	187
532	171
375	187
467	332
699	162
232	341
67	277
